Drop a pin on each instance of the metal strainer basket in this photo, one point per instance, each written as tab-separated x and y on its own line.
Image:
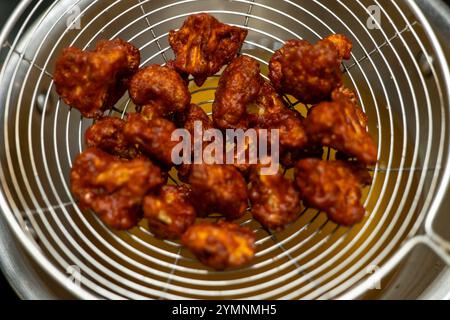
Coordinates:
402	78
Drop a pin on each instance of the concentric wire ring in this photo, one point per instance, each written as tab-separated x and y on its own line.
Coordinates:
313	258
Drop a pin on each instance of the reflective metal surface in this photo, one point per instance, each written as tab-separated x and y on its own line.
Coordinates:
399	71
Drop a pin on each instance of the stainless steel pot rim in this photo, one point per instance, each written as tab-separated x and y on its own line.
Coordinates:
29	244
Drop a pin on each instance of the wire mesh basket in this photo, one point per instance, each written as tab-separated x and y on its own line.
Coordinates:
397	68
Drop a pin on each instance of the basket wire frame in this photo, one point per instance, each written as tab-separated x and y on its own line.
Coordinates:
313	258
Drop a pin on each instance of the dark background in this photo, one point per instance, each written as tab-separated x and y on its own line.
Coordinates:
6	292
6	7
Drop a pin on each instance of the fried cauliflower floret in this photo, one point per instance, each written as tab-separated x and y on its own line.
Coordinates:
275	201
152	111
272	113
334	187
222	245
197	115
169	212
346	94
132	53
93	81
244	100
342	125
160	87
152	136
107	134
133	56
218	189
343	92
309	72
113	188
194	114
239	87
183	172
192	118
203	46
245	152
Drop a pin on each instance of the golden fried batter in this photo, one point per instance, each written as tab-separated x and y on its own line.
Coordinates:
334	187
162	87
152	111
185	76
93	81
275	201
113	188
107	135
192	114
272	114
152	136
342	125
239	87
133	56
196	114
292	130
343	93
169	213
309	72
187	120
268	101
222	245
218	189
242	88
343	44
203	46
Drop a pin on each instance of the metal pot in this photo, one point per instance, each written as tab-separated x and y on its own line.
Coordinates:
50	249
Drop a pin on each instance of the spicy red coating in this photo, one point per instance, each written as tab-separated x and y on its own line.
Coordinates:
204	45
220	245
275	201
343	126
169	212
309	72
334	187
272	114
218	189
238	87
107	135
113	188
161	86
93	81
152	136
